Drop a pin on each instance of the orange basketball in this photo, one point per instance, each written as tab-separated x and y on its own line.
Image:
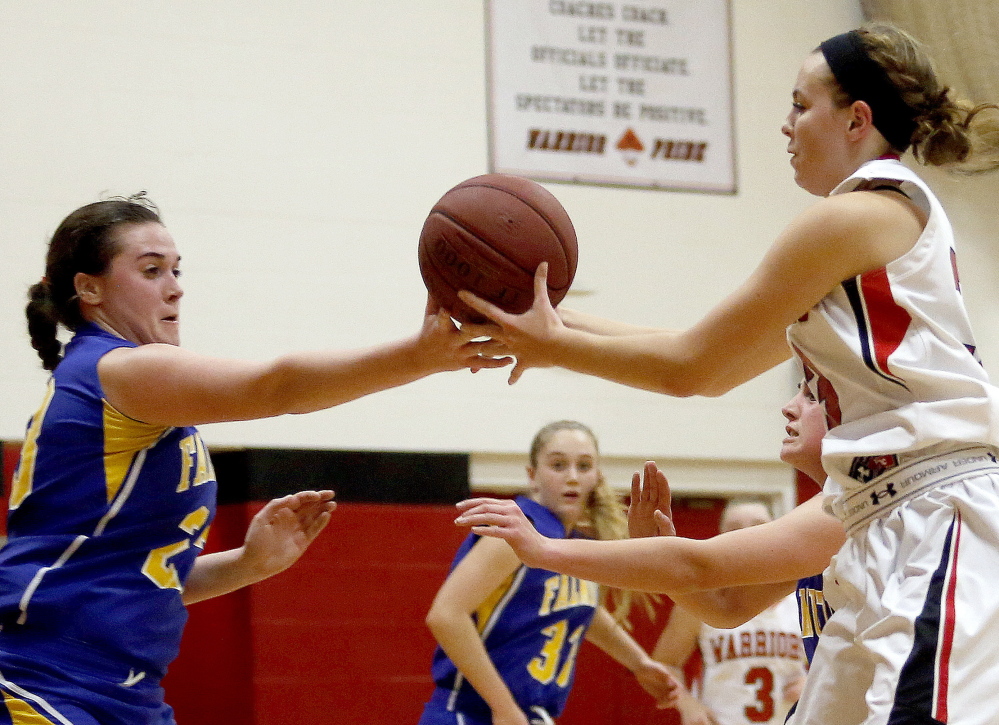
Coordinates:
488	235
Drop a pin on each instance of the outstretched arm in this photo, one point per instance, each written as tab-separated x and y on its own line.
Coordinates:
837	238
654	678
167	385
277	536
768	553
650	514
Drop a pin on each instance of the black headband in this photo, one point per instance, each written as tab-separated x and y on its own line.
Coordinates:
863	79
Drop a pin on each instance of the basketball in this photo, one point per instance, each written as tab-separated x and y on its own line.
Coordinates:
488	235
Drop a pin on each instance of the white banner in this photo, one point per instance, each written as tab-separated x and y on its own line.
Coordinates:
616	93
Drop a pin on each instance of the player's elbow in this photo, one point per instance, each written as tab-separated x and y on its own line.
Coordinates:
438	619
724	618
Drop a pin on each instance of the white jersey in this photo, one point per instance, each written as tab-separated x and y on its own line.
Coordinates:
890	352
914	476
747	668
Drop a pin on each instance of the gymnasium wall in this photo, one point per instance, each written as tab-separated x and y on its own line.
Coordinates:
295	149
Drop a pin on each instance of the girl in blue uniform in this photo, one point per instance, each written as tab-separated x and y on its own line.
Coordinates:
114	493
509	634
723	581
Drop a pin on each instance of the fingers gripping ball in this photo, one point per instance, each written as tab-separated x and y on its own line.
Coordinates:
488	235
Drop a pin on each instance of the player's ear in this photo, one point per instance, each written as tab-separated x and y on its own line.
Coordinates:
88	288
531	471
861	118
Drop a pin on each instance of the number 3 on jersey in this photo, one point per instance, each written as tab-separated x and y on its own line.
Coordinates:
763	678
546	664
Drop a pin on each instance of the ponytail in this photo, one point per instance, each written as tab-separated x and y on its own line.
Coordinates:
43	325
949	132
85	242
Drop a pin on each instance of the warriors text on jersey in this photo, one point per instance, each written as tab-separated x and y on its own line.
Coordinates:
532	627
747	668
107	515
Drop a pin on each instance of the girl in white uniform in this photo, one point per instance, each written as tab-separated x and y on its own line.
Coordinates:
753	671
865	281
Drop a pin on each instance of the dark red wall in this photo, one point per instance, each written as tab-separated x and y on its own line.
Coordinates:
339	638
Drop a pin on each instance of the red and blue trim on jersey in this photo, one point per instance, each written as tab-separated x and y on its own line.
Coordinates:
924	682
822	390
881	322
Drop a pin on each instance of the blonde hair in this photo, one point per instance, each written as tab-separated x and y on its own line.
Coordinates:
605	517
950	132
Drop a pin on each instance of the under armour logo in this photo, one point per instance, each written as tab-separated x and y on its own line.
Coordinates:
888	490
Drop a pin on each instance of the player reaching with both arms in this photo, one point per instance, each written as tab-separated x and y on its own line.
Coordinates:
111	501
863	286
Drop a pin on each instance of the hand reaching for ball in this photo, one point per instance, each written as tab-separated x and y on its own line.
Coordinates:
530	337
444	346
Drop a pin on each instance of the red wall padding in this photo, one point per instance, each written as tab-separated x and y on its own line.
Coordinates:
339	638
11	451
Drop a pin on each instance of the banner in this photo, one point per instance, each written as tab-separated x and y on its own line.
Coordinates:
612	93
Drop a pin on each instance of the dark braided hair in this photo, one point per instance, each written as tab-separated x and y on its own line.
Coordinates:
85	242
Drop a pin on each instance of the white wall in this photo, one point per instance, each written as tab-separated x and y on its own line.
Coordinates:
295	149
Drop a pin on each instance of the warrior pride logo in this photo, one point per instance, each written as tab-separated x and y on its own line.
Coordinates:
629	145
631	148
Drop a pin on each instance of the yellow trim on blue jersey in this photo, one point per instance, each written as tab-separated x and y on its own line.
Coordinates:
24	476
486	609
21	713
123	438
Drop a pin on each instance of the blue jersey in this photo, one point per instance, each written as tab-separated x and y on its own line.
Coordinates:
532	627
107	515
813	611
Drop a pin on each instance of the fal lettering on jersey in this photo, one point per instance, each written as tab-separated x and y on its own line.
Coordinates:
761	643
562	592
813	611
